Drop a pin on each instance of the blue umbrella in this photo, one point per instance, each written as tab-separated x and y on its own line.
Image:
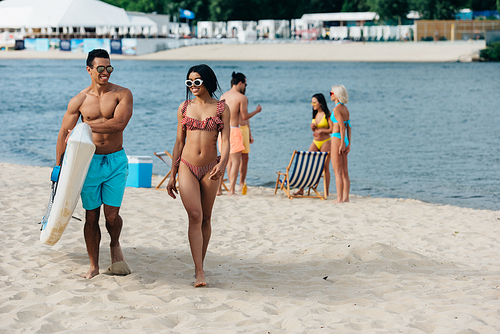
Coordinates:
187	14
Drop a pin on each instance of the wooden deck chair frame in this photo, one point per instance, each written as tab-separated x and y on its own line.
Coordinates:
314	174
224	185
168	162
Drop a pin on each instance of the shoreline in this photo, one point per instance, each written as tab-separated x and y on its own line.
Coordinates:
463	51
156	178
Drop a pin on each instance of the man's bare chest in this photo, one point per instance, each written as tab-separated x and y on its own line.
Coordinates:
96	108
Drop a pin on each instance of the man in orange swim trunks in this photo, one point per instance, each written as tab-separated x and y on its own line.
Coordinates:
238	104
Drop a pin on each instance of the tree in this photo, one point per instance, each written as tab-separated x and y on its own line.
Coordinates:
390	10
145	6
482	4
438	9
224	10
355	6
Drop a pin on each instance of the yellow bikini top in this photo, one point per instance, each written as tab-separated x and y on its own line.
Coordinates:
322	124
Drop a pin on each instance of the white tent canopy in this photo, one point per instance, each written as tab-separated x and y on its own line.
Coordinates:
343	16
142	24
60	13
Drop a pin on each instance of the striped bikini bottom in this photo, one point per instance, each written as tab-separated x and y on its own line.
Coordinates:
199	172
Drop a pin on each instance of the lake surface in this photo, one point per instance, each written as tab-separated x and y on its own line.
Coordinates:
427	131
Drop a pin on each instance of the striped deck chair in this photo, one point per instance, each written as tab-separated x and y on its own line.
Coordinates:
166	157
308	169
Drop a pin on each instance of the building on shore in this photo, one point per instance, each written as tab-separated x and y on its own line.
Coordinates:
83	19
80	25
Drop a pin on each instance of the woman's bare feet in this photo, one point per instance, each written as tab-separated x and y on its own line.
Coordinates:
200	280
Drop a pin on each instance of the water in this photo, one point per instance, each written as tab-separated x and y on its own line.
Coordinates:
427	131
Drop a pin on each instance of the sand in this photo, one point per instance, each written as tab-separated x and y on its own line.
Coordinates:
299	51
274	265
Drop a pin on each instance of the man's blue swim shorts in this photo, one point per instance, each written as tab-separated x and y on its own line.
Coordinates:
106	180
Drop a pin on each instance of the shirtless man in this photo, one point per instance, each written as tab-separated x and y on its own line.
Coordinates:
107	108
238	105
247	140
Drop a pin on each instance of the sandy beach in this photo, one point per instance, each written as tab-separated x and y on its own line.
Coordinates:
304	51
374	265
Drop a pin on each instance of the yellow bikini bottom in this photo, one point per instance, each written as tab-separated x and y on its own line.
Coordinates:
320	143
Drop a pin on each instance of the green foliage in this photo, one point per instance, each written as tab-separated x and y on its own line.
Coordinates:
355	6
146	6
482	4
390	10
492	52
224	10
437	9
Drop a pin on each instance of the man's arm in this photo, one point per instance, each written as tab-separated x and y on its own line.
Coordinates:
68	123
121	116
244	109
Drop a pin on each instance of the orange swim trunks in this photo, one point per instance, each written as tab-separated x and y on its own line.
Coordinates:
236	140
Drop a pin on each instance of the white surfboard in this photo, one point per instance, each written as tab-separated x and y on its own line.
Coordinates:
66	191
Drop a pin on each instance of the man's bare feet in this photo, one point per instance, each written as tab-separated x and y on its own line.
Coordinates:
299	192
116	253
91	273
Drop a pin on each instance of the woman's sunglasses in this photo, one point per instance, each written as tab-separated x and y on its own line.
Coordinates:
108	68
331	93
196	82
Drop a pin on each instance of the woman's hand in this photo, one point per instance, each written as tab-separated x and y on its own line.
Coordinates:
313	126
171	187
216	173
347	149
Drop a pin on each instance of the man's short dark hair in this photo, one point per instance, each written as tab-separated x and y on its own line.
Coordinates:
236	78
96	53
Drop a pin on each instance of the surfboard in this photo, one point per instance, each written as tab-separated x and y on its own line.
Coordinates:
67	186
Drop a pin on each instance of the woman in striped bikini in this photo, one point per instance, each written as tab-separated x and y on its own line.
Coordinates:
195	154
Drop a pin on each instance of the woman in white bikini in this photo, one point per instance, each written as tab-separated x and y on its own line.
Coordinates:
195	154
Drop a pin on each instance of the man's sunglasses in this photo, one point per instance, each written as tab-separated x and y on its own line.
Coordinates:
108	68
196	82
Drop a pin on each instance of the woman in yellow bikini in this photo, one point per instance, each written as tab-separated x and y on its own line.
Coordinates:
321	126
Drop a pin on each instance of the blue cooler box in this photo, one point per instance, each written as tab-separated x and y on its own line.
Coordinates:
140	171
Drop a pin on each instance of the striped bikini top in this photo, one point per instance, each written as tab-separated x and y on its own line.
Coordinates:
212	123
